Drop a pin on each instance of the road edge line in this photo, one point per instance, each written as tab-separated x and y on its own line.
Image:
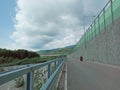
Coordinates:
65	88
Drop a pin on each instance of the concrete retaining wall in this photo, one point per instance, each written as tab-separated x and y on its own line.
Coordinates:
104	48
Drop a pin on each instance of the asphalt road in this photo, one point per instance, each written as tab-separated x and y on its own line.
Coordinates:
92	76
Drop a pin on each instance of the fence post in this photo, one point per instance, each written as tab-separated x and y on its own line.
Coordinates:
104	18
30	81
91	32
85	39
88	35
99	23
94	28
112	11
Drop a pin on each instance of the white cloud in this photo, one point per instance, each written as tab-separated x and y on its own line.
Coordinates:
47	24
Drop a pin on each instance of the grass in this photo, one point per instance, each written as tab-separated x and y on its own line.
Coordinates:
29	60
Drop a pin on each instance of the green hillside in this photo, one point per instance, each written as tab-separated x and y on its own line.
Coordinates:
59	51
21	56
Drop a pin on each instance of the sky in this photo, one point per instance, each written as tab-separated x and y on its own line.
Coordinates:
45	24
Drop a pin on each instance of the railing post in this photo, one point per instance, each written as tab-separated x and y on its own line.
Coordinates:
55	65
30	81
49	70
25	81
58	62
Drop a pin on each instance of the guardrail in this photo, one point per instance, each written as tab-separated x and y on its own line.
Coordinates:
29	72
106	17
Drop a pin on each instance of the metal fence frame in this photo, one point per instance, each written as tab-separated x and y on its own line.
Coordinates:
8	76
86	39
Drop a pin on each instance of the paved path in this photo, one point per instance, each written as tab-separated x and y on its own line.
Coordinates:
92	76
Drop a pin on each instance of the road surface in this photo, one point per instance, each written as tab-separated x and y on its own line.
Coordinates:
92	76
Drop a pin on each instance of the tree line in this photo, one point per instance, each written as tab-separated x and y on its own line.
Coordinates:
16	54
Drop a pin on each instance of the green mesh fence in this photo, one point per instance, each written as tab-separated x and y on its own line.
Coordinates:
97	26
116	9
102	25
107	16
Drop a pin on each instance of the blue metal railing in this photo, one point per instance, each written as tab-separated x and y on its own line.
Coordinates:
29	72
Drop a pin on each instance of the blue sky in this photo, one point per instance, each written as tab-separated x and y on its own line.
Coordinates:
44	24
7	14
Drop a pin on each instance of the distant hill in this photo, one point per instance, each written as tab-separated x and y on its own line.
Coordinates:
58	51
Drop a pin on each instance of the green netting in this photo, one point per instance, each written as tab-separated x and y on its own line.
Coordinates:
116	9
97	26
81	41
93	31
103	21
90	33
87	36
102	25
108	16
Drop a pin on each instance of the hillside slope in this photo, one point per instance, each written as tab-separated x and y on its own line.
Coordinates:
59	51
